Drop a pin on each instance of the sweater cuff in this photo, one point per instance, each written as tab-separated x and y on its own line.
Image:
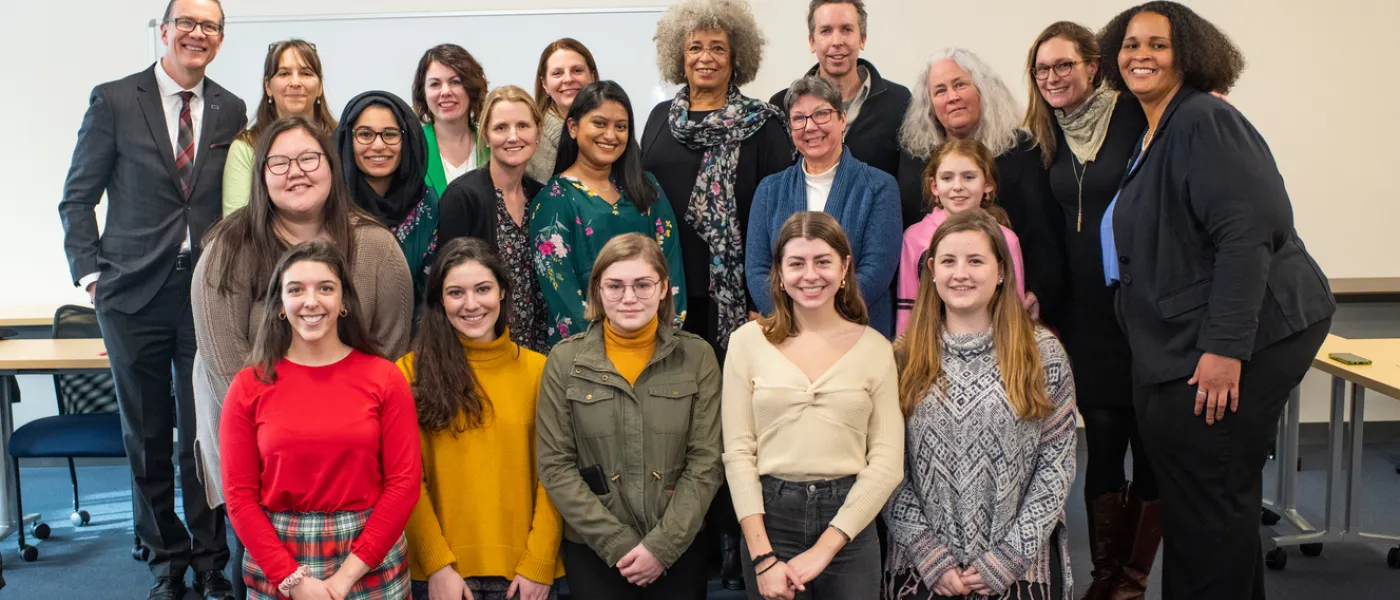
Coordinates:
1000	567
931	560
538	569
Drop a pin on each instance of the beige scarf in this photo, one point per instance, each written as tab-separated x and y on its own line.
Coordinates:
1086	128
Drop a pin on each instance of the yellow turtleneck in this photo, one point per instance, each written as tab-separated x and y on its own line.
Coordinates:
629	352
498	521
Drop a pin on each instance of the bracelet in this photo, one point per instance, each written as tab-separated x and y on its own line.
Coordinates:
762	557
769	568
292	580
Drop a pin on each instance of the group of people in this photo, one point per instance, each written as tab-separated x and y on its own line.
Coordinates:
461	346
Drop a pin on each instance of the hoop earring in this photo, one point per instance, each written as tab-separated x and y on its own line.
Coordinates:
344	312
281	316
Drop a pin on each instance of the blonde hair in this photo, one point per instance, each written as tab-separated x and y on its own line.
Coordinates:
919	352
505	93
811	225
628	246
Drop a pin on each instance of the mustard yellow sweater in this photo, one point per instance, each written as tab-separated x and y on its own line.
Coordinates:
630	352
482	508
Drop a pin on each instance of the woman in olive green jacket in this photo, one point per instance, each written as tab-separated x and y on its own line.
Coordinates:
629	437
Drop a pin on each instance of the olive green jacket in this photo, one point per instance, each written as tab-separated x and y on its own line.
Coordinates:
657	443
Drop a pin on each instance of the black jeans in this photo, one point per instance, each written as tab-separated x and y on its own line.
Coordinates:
1210	476
1109	431
795	516
590	578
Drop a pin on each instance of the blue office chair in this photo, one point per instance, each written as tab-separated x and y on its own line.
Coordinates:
88	424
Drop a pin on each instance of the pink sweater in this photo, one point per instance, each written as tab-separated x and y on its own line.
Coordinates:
916	240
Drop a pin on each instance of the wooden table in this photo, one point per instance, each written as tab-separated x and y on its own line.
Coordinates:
28	315
35	357
1365	289
1343	506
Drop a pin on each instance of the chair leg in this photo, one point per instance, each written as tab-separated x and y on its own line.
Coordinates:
73	474
19	503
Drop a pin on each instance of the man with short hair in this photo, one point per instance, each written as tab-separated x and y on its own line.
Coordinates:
836	31
155	142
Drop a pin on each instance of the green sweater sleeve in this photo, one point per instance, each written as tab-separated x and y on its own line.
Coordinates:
238	176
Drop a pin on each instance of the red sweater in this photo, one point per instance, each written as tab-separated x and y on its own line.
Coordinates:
343	437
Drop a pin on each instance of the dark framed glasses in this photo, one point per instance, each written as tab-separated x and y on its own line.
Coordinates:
308	162
187	25
821	117
364	136
1061	69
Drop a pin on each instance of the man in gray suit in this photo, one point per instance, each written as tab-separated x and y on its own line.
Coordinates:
156	142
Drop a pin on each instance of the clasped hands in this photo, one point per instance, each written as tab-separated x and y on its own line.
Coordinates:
961	582
782	580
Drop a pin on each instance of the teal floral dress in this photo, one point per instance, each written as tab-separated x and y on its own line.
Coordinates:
569	224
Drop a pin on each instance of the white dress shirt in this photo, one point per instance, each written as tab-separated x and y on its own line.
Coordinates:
170	101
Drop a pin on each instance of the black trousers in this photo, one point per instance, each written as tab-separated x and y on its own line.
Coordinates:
152	353
1210	476
1109	432
590	578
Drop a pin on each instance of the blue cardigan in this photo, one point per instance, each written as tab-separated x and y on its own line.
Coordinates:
864	200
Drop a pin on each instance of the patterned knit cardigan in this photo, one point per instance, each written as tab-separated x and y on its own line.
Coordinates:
981	487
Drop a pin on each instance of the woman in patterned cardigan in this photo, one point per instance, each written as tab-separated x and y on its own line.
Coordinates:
989	438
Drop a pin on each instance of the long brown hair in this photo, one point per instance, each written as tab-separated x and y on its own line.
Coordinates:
810	225
244	246
1040	117
267	111
274	334
465	66
444	386
542	98
980	156
919	352
628	246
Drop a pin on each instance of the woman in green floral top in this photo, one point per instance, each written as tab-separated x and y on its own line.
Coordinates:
603	192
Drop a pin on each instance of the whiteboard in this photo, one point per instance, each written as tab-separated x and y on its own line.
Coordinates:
381	51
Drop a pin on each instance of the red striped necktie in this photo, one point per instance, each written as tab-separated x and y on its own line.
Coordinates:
184	159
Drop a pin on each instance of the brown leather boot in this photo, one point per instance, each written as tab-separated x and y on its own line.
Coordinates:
1144	524
1108	542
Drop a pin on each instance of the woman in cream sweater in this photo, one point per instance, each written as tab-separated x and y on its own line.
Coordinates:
813	439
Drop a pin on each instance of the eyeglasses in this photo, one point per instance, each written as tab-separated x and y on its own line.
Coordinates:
1061	69
717	51
306	161
642	288
365	136
821	117
187	25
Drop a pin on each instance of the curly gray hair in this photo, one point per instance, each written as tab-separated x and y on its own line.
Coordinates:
733	17
921	133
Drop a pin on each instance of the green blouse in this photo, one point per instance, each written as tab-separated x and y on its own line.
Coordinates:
417	236
437	176
569	224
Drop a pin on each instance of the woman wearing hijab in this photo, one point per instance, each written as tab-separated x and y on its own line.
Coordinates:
385	158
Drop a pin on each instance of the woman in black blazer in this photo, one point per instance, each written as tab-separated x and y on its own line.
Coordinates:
492	203
1222	305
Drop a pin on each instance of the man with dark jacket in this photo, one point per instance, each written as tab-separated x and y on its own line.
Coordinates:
155	143
874	106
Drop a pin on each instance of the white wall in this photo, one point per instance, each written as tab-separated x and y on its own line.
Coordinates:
1316	86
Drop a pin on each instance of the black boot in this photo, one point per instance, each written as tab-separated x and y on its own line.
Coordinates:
730	570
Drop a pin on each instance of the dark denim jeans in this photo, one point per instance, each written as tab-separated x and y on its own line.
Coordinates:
796	515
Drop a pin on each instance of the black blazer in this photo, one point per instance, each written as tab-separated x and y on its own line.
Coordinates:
124	150
468	206
1209	260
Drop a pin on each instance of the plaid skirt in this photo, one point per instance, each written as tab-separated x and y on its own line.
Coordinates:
321	541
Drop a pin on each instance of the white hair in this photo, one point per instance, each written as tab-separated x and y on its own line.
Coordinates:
921	133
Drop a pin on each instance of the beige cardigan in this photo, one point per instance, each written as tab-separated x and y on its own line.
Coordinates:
778	423
225	327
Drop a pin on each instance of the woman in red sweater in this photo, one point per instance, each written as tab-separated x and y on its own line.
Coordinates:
319	444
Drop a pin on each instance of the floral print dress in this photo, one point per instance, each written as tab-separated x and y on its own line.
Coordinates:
528	326
417	235
569	224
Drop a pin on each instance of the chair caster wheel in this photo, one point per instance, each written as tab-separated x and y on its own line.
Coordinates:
1270	518
41	531
1311	549
140	553
1276	559
29	553
80	518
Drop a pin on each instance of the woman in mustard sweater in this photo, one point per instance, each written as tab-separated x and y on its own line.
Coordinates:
483	522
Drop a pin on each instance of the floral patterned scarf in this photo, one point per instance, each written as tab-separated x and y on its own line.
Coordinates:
713	210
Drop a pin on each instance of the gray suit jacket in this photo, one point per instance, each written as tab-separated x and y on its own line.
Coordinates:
124	150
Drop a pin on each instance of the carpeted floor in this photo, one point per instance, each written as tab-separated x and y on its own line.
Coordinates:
95	561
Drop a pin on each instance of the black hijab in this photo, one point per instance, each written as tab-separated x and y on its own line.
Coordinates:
406	186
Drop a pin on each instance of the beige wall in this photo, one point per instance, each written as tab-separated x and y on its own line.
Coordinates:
1318	86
